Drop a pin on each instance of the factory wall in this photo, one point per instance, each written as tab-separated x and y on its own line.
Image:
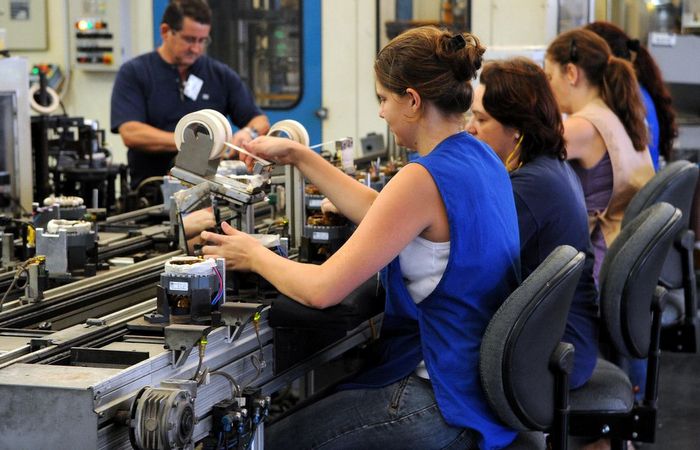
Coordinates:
349	44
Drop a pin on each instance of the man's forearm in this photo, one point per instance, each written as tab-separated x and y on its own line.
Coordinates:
146	137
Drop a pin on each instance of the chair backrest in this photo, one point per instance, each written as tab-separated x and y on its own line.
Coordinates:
521	337
674	184
629	275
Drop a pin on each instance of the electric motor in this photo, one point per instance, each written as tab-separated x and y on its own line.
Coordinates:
162	419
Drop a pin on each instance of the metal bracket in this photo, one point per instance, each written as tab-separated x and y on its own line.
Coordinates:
236	315
7	250
92	322
35	268
639	424
181	339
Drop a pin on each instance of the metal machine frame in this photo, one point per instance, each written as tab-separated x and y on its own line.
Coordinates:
15	83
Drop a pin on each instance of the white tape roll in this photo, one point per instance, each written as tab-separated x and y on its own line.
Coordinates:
209	121
54	103
224	122
290	129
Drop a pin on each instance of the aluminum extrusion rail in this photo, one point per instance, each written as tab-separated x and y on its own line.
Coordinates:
90	293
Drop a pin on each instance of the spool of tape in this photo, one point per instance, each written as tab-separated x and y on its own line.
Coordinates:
290	129
224	122
206	121
54	103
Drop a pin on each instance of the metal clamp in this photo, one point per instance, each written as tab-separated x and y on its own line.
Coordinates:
236	315
181	339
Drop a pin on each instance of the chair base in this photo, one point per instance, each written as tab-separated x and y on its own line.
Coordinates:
681	337
639	424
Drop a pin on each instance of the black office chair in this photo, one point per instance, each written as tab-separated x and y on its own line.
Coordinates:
675	184
631	304
523	365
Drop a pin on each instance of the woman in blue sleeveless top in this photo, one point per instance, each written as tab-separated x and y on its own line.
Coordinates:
443	232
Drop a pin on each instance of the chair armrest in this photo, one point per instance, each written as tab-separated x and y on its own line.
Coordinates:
562	359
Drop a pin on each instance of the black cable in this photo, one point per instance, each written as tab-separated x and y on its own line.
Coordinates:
253	430
200	347
22	268
235	388
12	285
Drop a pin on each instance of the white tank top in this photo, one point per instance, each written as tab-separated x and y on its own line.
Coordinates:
422	264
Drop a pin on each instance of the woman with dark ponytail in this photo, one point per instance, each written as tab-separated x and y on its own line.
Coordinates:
606	136
661	119
444	234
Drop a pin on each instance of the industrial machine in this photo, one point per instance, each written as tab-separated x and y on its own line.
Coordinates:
70	158
16	176
162	350
118	381
324	233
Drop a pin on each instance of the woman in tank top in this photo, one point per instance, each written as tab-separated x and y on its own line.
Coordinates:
660	116
455	204
606	137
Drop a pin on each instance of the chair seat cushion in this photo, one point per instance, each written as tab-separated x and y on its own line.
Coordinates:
528	440
608	390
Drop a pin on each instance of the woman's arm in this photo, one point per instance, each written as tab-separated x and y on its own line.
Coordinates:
408	205
583	142
353	199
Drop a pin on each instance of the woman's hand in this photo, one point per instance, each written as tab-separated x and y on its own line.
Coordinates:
274	149
237	247
197	221
328	207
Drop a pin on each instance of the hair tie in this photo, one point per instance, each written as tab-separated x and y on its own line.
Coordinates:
457	42
633	45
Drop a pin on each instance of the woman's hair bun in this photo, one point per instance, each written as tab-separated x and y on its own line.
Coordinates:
462	52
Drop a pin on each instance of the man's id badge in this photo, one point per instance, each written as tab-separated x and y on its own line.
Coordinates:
192	87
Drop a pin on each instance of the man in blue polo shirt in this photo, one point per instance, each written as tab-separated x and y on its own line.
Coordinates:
154	90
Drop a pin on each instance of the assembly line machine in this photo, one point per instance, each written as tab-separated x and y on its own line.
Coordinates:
155	347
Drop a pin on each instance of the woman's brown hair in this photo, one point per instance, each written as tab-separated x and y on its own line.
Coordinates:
434	62
613	76
648	75
518	95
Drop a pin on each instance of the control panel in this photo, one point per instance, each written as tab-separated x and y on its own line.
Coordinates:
100	33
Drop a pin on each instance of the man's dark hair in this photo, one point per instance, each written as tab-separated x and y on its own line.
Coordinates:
177	10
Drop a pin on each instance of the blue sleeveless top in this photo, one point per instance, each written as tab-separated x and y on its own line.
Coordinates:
653	125
446	328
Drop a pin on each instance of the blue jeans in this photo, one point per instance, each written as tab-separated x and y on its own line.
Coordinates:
399	416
